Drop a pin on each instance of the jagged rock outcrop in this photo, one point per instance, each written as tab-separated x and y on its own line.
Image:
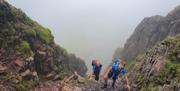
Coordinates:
154	65
159	69
28	54
151	31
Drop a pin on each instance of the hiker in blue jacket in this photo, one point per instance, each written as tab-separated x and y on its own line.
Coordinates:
114	72
96	67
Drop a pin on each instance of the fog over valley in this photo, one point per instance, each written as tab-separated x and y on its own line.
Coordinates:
93	29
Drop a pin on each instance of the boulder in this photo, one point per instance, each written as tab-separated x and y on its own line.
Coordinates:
57	77
50	75
159	88
81	80
41	52
167	88
27	72
30	59
2	69
19	62
67	88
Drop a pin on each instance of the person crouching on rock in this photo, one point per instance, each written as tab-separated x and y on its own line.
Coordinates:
96	67
114	72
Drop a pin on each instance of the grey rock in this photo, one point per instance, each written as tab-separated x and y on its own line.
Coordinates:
149	32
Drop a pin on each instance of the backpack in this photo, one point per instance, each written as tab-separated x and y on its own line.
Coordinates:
95	68
116	64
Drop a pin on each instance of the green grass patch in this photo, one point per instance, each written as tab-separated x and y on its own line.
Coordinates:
19	14
168	41
30	31
24	47
25	85
25	28
31	27
44	34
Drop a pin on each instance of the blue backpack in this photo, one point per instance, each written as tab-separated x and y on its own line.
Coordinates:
95	68
116	64
116	71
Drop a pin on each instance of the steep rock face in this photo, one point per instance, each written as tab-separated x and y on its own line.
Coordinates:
159	69
151	31
28	53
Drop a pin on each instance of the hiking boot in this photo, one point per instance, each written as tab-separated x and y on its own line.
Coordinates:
113	87
105	86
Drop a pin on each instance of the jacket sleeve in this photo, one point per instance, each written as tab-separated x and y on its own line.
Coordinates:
123	71
100	67
113	66
93	68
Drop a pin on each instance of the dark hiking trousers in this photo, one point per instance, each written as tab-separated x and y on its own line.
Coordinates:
96	75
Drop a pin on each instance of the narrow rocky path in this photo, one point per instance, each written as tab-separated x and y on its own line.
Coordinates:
96	86
78	83
84	84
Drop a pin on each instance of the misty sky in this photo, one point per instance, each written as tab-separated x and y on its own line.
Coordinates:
92	28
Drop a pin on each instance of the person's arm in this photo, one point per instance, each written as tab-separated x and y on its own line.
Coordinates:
126	79
92	73
124	72
107	71
100	67
127	82
93	70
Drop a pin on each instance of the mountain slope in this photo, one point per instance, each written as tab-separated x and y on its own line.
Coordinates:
28	54
151	31
153	53
159	69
